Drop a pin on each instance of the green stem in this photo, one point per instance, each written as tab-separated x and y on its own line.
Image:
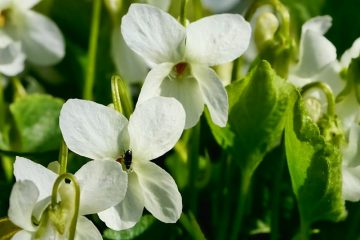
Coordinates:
326	90
183	12
63	157
7	164
275	205
94	35
2	107
193	158
224	205
191	226
304	229
115	92
54	200
19	90
240	211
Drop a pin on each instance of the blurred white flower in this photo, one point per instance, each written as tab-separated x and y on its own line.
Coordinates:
101	133
218	6
102	184
41	40
11	56
180	57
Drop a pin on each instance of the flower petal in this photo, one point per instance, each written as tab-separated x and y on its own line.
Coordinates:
152	83
41	39
220	6
351	53
22	235
23	198
43	178
11	56
129	211
217	39
162	197
188	93
27	4
153	34
319	24
86	230
130	65
102	185
316	51
351	183
213	92
93	130
155	127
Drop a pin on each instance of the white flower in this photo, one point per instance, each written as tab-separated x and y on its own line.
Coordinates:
11	56
102	184
180	57
317	54
218	6
101	133
41	40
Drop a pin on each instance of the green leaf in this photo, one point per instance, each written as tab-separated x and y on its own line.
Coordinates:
258	106
36	123
315	167
7	229
144	223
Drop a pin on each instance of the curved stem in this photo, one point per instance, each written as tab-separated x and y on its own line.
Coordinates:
326	90
76	200
183	12
121	96
94	34
63	157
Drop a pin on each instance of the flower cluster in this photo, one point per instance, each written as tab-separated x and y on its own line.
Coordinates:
286	95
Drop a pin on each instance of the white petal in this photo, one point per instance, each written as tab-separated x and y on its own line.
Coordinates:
130	65
22	235
27	4
348	111
320	24
41	39
351	53
155	127
23	198
351	151
153	34
214	94
162	197
43	178
128	212
316	51
86	230
217	39
102	185
187	92
93	130
152	83
220	6
351	183
11	56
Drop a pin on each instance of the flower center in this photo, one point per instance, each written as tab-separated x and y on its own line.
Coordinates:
180	68
125	160
180	71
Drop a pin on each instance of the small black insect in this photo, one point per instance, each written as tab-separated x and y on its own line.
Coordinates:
127	159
